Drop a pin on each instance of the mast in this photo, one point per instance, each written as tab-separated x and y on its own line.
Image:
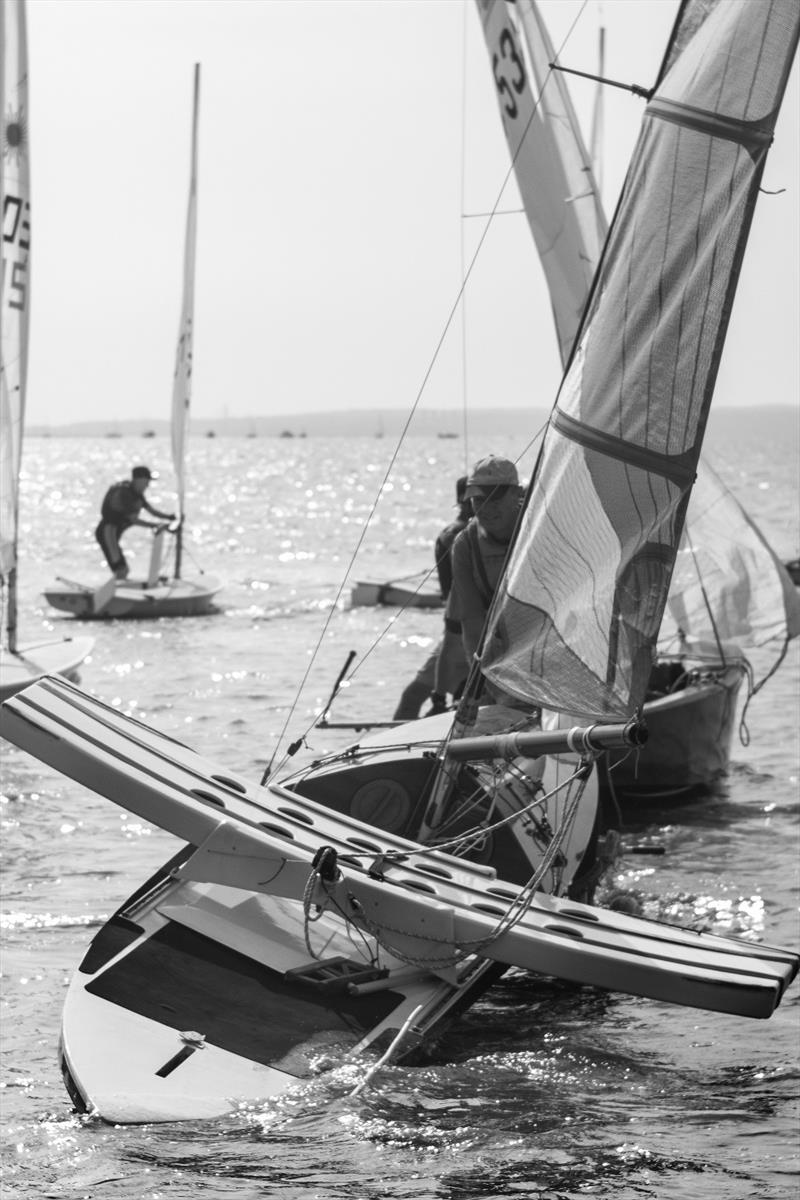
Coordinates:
15	304
182	383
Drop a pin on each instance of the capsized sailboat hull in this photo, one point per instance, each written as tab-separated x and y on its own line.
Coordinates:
134	599
196	998
35	659
690	714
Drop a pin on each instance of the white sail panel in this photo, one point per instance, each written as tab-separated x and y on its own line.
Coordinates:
552	166
182	383
15	192
623	442
727	581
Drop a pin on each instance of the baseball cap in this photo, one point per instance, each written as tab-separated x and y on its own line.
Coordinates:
143	473
491	472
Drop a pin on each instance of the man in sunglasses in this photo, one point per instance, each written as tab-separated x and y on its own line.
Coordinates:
479	552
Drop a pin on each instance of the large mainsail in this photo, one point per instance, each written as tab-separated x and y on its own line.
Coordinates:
575	620
182	384
552	166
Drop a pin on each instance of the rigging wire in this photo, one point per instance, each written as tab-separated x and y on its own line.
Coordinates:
457	303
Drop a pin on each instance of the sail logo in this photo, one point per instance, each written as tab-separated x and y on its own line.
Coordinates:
15	136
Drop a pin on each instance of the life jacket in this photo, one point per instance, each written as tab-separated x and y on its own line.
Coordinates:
121	505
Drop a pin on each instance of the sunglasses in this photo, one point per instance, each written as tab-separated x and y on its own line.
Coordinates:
495	493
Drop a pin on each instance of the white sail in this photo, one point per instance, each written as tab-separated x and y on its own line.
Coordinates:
728	583
182	384
15	306
575	620
552	166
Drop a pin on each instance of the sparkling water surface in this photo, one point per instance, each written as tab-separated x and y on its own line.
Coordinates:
542	1090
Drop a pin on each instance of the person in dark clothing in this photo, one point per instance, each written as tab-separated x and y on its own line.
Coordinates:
451	675
479	554
122	504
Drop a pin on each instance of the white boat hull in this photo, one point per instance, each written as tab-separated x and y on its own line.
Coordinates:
32	661
366	594
134	599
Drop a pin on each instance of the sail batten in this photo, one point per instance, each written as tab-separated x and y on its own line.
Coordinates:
576	618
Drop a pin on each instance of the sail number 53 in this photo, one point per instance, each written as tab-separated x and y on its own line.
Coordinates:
509	73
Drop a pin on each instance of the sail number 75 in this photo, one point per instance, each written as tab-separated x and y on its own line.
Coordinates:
16	235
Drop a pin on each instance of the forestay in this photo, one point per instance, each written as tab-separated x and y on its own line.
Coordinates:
552	166
577	615
15	306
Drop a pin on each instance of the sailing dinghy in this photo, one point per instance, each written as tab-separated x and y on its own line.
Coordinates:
159	594
19	663
243	964
729	592
367	594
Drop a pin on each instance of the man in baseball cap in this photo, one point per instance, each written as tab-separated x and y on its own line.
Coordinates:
479	553
489	474
122	504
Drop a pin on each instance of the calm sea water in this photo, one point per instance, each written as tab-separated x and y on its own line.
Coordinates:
542	1090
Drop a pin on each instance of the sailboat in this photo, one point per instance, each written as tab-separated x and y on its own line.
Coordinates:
367	593
158	594
19	663
730	591
357	903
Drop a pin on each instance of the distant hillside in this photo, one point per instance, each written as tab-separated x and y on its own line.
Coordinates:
780	420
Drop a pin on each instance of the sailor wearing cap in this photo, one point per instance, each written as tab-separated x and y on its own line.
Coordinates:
479	552
121	507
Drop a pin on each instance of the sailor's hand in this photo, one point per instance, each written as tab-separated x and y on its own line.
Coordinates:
438	704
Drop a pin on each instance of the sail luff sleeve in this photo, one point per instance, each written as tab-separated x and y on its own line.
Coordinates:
16	293
182	382
577	615
552	166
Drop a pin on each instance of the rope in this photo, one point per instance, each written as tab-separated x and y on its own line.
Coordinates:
514	914
457	303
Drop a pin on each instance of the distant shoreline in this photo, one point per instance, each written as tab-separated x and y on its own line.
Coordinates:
444	423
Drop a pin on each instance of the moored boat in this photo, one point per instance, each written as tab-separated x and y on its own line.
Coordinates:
366	594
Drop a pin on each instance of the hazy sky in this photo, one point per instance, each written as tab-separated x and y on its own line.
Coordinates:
330	199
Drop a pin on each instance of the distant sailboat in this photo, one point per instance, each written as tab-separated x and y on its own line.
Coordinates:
19	664
157	594
690	705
